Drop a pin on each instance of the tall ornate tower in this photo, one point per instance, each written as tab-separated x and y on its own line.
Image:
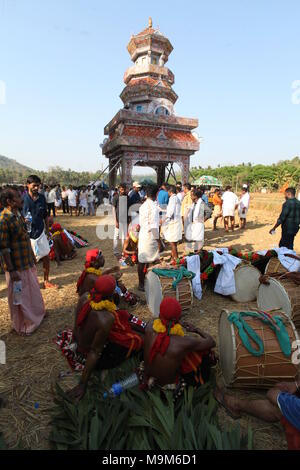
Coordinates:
146	132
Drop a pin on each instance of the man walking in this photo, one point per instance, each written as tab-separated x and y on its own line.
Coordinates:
35	203
26	306
230	203
120	204
289	219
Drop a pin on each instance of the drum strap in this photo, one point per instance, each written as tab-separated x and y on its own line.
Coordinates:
176	274
246	332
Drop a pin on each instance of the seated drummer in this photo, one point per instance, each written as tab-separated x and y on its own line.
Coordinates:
169	355
103	333
94	260
62	247
282	403
130	246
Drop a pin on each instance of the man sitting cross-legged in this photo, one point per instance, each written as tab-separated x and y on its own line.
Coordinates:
94	261
282	403
169	355
106	335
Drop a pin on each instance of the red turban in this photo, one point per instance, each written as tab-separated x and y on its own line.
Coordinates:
56	227
103	287
170	309
170	312
90	257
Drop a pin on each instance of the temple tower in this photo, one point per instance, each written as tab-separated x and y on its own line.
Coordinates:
147	132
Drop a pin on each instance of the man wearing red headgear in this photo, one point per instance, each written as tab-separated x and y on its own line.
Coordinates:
94	261
169	355
106	335
62	247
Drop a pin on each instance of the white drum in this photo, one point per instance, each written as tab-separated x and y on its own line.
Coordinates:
156	288
280	294
246	283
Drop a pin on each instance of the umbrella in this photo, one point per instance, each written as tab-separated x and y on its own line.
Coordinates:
207	181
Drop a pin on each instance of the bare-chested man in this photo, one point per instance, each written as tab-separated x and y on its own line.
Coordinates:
169	355
103	333
94	261
62	248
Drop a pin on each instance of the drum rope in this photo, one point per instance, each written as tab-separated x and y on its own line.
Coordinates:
176	274
246	332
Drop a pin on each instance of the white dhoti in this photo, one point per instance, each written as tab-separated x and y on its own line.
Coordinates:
172	231
148	250
242	215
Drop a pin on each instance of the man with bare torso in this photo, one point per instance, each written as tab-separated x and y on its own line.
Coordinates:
169	355
104	334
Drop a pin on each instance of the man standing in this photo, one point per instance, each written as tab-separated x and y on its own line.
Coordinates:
195	229
120	204
186	203
51	201
64	198
148	245
172	227
230	203
35	203
180	193
163	196
26	307
134	196
217	202
289	219
90	200
72	200
243	206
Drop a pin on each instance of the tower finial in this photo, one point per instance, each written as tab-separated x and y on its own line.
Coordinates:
150	22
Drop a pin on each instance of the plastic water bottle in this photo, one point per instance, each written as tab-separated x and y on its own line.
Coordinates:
118	387
28	220
17	292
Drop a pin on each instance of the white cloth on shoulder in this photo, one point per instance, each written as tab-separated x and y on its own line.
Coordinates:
291	264
225	283
148	250
193	265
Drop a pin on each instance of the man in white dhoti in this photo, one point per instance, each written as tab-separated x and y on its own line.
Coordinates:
194	231
243	206
172	226
148	246
230	203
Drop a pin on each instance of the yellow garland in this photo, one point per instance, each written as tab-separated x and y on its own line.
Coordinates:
98	272
103	305
55	233
159	327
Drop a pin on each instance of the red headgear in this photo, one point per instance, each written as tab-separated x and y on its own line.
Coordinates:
91	256
105	285
56	227
170	309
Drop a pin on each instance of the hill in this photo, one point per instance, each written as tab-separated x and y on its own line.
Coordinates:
12	165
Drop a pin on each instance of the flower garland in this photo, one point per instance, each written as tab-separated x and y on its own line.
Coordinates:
159	327
251	256
78	236
208	271
98	272
103	305
56	233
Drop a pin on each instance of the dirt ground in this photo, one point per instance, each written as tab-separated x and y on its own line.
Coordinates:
34	363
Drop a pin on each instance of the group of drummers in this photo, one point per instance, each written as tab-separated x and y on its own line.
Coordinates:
173	352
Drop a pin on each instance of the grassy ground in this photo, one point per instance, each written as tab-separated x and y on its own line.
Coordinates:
34	363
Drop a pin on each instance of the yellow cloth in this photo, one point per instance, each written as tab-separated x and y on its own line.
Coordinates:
186	204
159	327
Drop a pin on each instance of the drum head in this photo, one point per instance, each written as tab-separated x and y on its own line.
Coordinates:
246	283
227	348
273	296
153	293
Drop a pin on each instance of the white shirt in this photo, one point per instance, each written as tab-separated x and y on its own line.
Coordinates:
174	208
299	196
148	216
230	200
90	196
72	197
51	196
180	196
244	201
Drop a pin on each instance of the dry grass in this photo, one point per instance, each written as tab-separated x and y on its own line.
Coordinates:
34	363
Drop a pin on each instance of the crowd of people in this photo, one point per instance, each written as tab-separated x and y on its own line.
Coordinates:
105	335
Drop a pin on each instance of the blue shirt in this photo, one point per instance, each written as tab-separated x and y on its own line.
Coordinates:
163	198
38	209
134	198
205	198
290	408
